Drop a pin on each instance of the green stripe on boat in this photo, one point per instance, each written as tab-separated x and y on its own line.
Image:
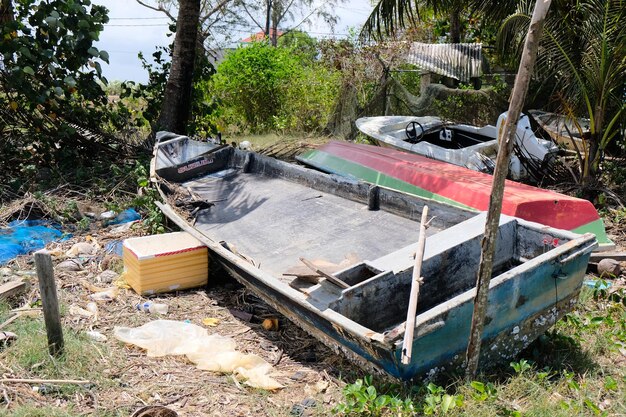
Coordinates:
597	228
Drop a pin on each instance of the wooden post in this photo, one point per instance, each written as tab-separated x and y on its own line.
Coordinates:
505	147
49	302
407	343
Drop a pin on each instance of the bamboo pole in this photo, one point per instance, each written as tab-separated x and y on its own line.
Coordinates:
506	141
407	343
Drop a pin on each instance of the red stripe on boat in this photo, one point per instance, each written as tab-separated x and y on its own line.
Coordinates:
469	187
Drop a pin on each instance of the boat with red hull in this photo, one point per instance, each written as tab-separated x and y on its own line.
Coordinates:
454	185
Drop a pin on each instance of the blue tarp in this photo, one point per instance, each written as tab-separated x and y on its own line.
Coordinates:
25	236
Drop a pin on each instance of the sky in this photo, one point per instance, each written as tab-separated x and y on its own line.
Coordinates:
133	28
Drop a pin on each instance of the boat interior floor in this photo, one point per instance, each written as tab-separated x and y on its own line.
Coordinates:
283	221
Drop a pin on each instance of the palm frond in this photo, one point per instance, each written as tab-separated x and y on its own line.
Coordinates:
388	16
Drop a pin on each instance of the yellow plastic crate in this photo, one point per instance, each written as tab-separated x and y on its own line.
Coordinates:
167	262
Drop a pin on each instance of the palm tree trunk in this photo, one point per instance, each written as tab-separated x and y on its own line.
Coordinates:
176	107
455	25
6	11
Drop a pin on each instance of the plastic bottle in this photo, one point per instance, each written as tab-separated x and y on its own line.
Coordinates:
151	307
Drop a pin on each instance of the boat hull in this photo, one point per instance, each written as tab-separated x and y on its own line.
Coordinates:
537	268
456	186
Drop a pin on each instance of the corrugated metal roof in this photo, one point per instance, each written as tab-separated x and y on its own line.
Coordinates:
461	61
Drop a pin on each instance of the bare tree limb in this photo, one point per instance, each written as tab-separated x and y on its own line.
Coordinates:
157	9
215	9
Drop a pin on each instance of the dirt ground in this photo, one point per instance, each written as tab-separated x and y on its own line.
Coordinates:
310	372
313	376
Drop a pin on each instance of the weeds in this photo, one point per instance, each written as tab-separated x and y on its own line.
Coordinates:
575	371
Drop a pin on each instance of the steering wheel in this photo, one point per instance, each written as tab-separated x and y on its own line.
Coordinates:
411	132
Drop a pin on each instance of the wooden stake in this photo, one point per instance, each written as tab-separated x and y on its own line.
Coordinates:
49	302
407	344
506	141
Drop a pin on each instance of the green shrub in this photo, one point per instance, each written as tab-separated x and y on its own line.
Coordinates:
260	88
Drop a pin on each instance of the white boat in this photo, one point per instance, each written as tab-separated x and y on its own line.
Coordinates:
463	145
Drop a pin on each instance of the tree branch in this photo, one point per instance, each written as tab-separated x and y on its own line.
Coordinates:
157	9
213	11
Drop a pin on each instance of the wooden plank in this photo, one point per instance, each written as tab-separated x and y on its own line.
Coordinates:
326	275
12	288
598	256
49	302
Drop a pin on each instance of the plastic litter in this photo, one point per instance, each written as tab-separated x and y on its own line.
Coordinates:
70	265
597	284
93	308
25	236
109	294
128	215
210	321
114	247
97	336
208	352
151	307
107	276
81	248
79	311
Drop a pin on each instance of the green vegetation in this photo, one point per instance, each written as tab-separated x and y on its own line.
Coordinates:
260	88
571	371
582	67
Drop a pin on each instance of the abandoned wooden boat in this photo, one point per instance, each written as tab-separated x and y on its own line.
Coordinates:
454	185
263	219
463	145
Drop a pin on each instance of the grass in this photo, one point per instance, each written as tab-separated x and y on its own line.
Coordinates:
578	369
28	357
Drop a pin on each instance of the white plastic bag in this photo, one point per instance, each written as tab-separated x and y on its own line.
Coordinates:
208	352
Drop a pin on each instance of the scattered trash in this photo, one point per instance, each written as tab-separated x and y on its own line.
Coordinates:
107	215
71	265
609	268
270	324
108	276
45	389
97	336
81	248
128	215
24	236
241	315
109	294
79	311
6	338
114	247
151	307
298	376
299	410
154	411
124	227
167	262
93	308
597	284
210	321
209	352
